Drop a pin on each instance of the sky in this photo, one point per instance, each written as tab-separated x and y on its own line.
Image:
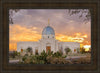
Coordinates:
29	23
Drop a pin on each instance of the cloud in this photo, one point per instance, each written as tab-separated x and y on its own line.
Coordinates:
29	23
76	37
19	33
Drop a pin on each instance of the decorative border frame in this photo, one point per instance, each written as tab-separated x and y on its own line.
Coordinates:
24	4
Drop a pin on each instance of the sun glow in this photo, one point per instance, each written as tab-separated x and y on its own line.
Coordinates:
87	47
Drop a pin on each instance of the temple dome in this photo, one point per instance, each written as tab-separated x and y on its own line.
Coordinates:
48	31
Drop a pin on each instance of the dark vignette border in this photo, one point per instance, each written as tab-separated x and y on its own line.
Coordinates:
7	67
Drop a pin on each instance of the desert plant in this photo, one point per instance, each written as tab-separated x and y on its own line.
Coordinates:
57	54
26	55
44	58
28	60
56	60
24	58
64	56
43	55
82	60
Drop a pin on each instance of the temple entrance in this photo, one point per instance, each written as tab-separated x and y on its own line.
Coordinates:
48	48
36	51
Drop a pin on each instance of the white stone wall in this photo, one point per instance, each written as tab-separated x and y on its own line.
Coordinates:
71	45
25	45
41	45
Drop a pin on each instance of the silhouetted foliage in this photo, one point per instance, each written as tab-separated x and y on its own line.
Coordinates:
82	13
43	58
13	54
83	50
11	13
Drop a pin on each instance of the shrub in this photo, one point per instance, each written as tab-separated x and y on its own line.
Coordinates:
41	62
64	56
44	58
43	55
55	60
13	54
26	55
18	53
86	60
28	60
24	58
57	54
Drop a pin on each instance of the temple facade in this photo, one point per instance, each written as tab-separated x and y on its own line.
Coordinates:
48	43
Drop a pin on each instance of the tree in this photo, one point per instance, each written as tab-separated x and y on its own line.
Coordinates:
82	50
67	50
81	12
11	13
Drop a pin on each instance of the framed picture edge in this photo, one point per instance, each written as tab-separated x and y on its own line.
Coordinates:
4	29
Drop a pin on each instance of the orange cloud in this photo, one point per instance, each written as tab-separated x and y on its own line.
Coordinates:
85	36
12	46
18	33
77	37
77	34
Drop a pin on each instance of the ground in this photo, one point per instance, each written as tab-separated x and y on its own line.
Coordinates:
71	57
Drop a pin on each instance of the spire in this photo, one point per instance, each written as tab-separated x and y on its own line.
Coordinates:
48	22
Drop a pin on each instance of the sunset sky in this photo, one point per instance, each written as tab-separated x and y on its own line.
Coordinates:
29	23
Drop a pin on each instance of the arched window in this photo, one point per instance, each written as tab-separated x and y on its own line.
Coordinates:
74	50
